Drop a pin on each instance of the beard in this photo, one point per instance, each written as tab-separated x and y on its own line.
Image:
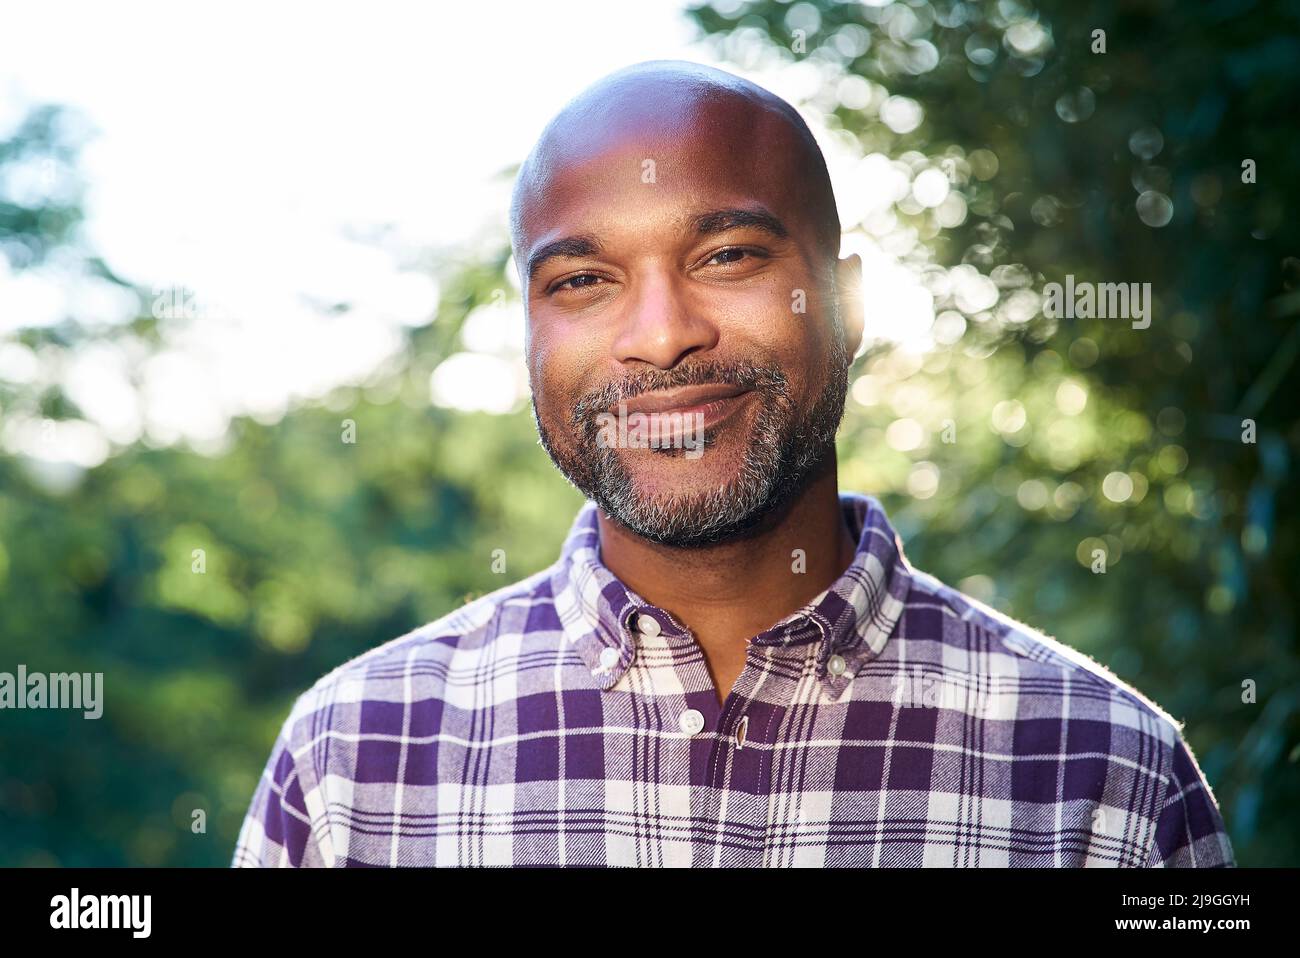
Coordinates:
785	449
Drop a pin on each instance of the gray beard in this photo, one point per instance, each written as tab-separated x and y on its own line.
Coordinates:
785	452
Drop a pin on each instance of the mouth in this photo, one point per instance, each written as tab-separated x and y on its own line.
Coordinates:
713	402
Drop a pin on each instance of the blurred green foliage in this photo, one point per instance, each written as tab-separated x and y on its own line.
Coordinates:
1070	435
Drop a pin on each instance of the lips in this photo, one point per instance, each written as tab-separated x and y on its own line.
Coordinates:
685	399
681	414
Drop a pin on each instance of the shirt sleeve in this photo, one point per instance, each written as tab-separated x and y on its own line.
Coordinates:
278	831
1189	829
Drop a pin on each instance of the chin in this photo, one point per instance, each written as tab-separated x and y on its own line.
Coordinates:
701	514
682	484
685	530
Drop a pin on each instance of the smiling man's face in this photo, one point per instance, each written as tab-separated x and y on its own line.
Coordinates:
679	258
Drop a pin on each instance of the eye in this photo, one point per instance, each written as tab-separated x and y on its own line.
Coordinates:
580	281
733	254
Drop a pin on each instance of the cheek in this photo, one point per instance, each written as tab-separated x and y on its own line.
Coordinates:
810	337
559	363
766	327
545	379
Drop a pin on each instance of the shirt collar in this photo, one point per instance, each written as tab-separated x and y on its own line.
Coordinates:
851	620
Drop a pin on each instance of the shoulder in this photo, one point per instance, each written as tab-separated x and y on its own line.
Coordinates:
1042	666
352	725
413	667
1062	702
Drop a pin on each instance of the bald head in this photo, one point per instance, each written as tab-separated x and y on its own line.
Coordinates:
680	114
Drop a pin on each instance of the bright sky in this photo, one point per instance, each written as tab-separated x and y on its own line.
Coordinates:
249	152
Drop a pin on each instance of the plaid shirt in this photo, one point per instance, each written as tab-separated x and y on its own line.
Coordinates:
892	721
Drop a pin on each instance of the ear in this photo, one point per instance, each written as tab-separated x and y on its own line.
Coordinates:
848	285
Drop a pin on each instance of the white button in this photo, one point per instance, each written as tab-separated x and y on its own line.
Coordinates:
609	657
692	721
647	625
835	664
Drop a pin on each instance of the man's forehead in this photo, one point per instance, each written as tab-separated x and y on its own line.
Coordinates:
686	131
654	112
698	161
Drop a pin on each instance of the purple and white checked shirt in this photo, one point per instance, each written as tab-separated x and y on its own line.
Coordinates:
892	721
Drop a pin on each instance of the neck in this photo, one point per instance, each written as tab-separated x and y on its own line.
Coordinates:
730	592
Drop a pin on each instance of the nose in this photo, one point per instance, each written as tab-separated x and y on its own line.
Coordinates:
660	327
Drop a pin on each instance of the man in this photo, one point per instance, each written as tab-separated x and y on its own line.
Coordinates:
731	664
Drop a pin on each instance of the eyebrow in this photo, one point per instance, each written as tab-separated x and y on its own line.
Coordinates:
705	224
719	221
569	246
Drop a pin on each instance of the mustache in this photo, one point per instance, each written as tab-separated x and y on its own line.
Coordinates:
769	380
